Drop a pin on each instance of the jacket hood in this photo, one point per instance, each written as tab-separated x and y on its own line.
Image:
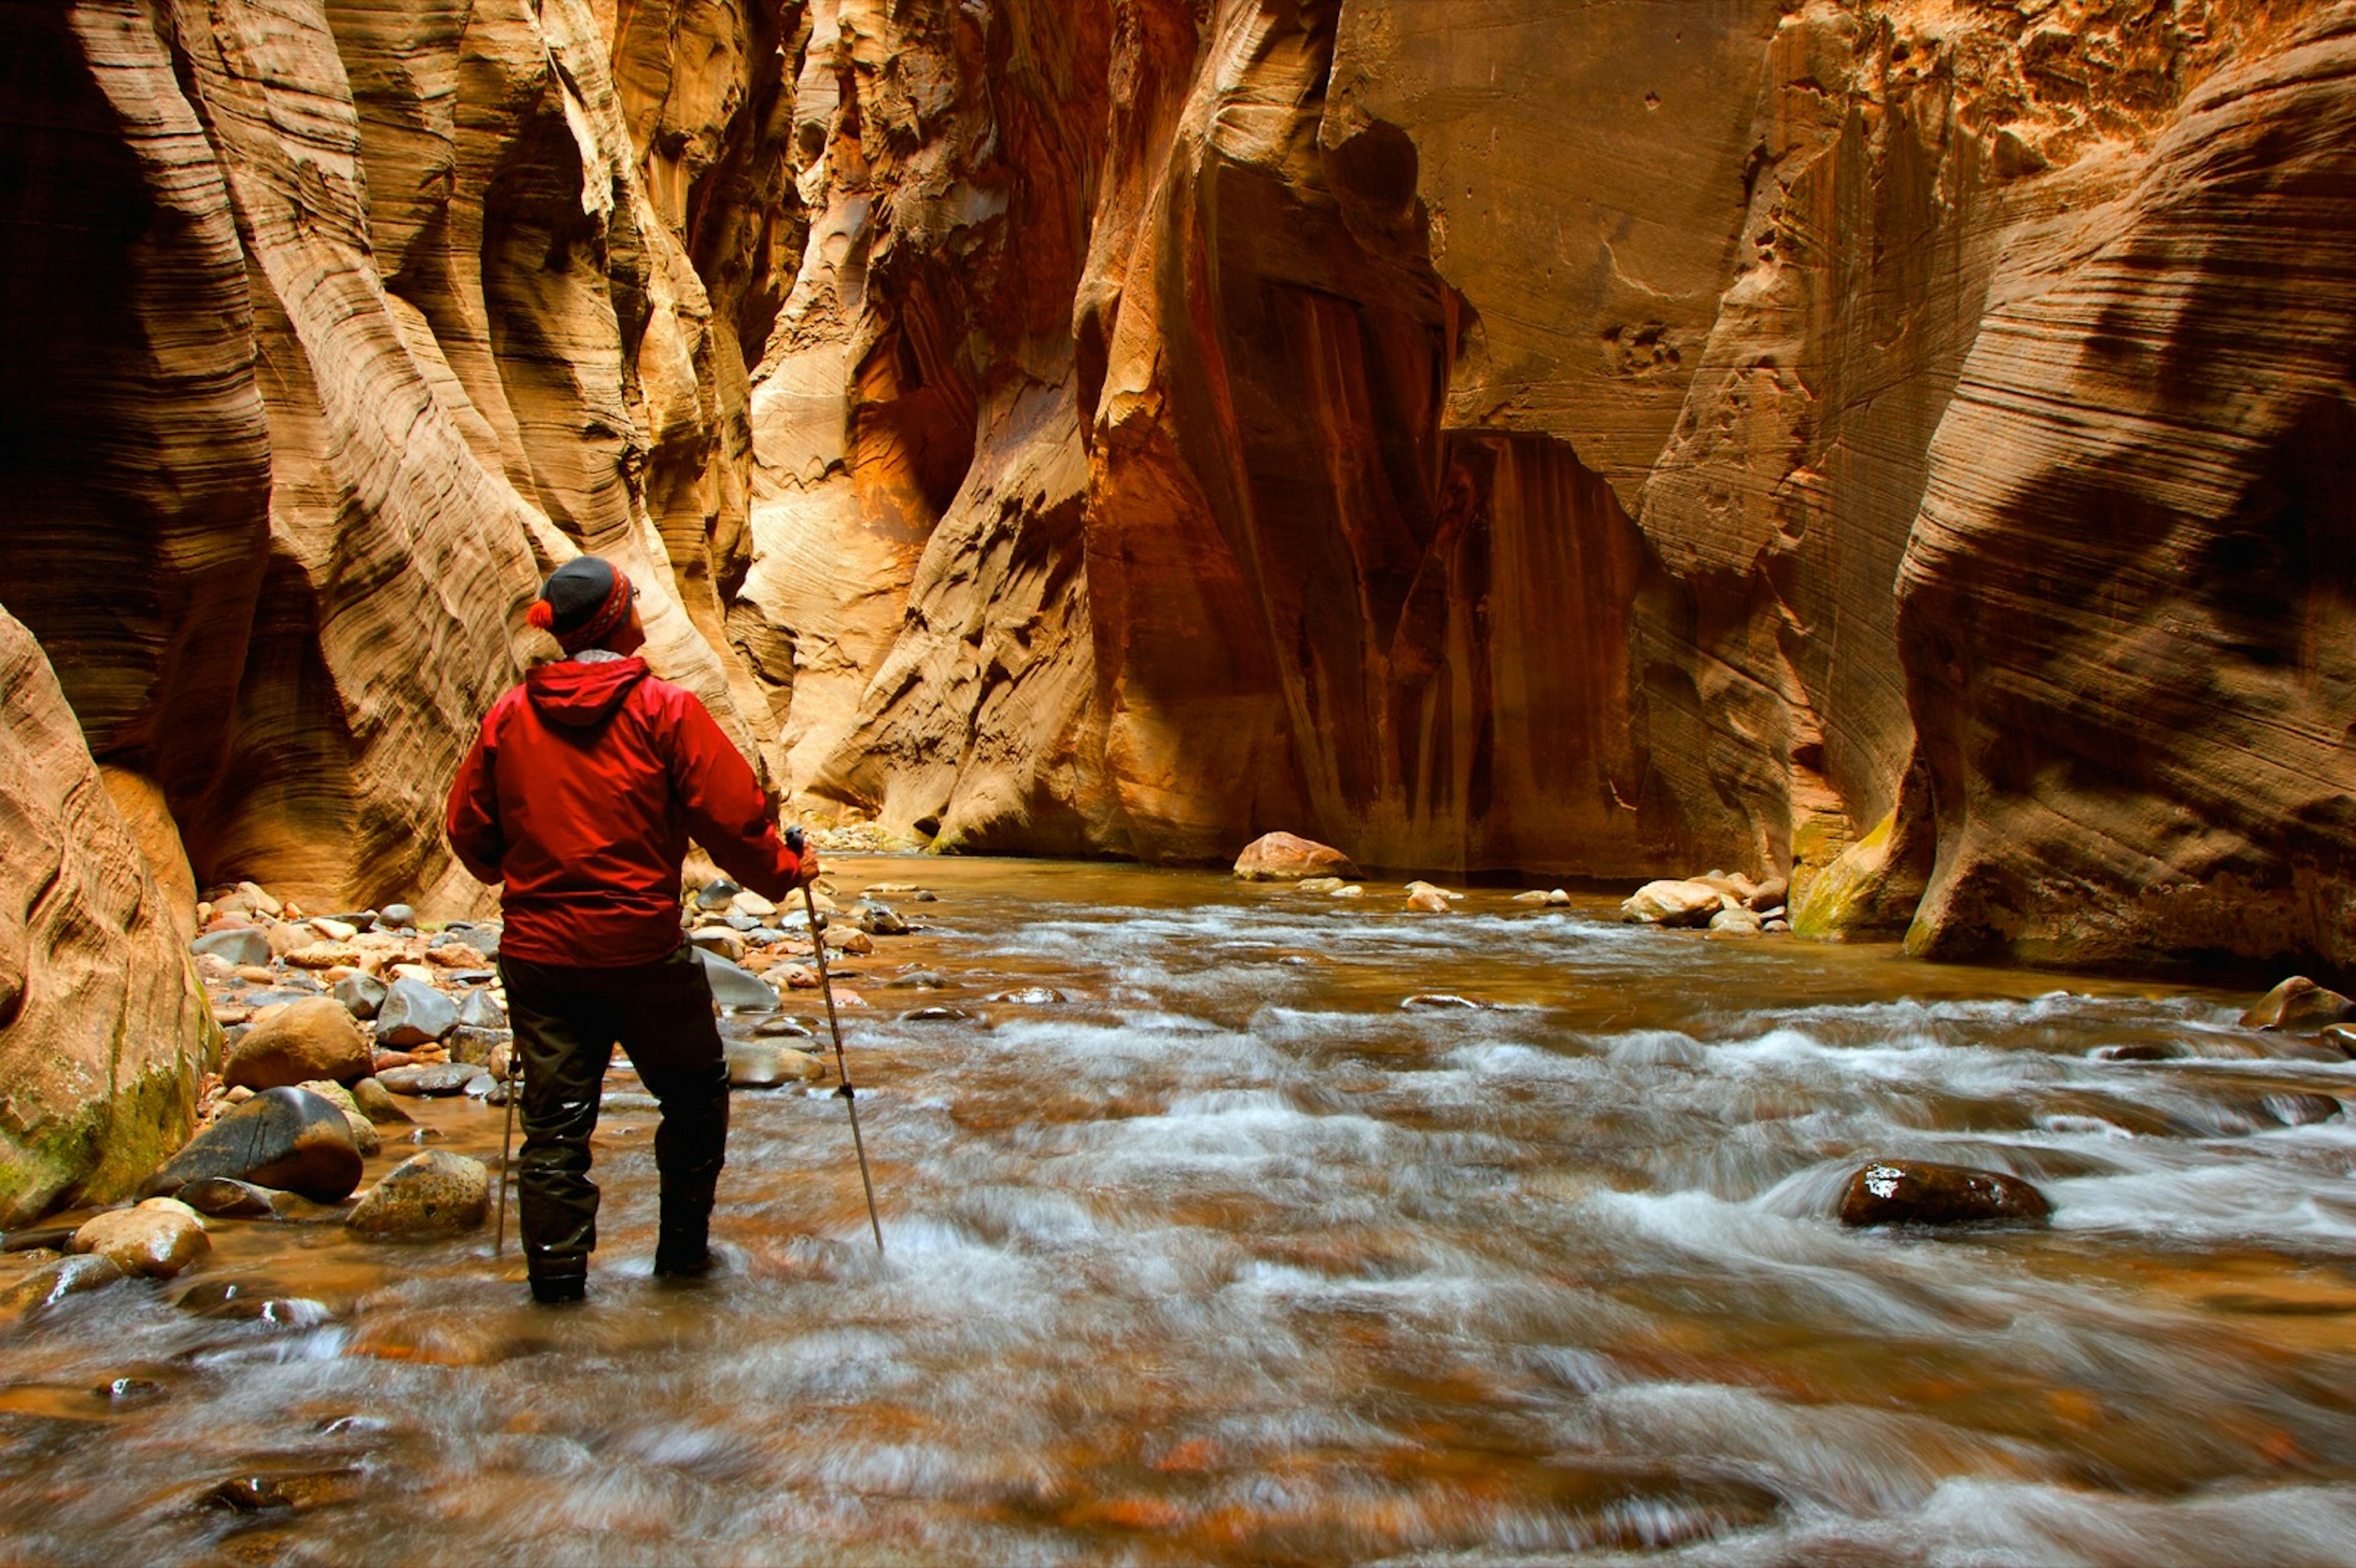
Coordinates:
582	695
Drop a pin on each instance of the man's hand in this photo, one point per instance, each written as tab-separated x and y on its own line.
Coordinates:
799	843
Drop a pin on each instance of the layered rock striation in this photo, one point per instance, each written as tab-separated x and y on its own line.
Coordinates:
1587	439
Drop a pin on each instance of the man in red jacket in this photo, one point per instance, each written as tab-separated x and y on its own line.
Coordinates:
580	796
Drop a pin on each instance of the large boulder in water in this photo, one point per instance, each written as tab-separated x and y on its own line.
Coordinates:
413	1013
1919	1192
312	1040
282	1138
1289	857
1673	903
2298	1003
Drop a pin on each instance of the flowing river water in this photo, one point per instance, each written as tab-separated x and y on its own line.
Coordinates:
1230	1256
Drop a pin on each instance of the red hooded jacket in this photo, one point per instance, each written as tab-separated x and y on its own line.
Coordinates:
580	794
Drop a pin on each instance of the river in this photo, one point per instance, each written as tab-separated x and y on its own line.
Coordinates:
1234	1256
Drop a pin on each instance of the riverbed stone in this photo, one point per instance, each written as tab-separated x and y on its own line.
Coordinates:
312	1038
397	916
1672	904
1289	857
1735	922
878	920
2298	1003
1767	897
1030	997
364	1134
1427	901
721	941
414	1014
481	1009
282	1138
153	1240
1319	886
430	1080
782	1026
761	1064
361	995
734	988
240	946
1921	1192
436	1193
229	1199
52	1282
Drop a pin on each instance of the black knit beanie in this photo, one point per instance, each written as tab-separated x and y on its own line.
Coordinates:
581	601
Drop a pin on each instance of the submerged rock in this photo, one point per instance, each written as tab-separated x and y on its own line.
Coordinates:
45	1287
229	1199
311	1039
1288	857
2298	1003
1427	901
758	1064
282	1138
431	1194
1030	997
1919	1192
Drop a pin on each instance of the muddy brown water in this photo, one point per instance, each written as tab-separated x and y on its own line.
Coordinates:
1231	1257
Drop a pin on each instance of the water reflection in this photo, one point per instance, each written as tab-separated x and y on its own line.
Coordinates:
1232	1256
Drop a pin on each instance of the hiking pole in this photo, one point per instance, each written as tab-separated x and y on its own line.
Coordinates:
843	1068
507	1143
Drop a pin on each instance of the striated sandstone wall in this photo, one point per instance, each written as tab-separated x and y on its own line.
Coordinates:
104	1029
1588	439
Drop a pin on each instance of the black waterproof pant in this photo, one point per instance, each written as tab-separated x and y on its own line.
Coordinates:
567	1023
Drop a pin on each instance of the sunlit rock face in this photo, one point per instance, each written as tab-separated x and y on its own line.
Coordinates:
103	1029
1605	440
331	327
2125	608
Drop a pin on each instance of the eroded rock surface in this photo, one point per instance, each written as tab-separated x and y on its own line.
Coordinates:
103	1030
1895	444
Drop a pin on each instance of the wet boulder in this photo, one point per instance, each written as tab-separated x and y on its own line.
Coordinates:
430	1080
311	1039
734	988
1736	923
364	1135
759	1064
1030	997
1288	857
433	1194
2298	1003
1918	1192
1672	904
721	941
280	1138
157	1239
1767	897
414	1013
45	1287
878	920
2340	1038
1425	899
228	1199
377	1103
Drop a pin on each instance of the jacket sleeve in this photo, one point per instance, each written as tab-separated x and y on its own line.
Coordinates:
471	821
727	812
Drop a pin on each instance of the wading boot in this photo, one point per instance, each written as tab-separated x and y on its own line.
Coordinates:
682	1243
554	1286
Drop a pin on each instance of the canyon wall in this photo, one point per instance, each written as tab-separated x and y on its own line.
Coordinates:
1594	440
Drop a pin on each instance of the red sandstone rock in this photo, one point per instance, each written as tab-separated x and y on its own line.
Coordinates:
1288	857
